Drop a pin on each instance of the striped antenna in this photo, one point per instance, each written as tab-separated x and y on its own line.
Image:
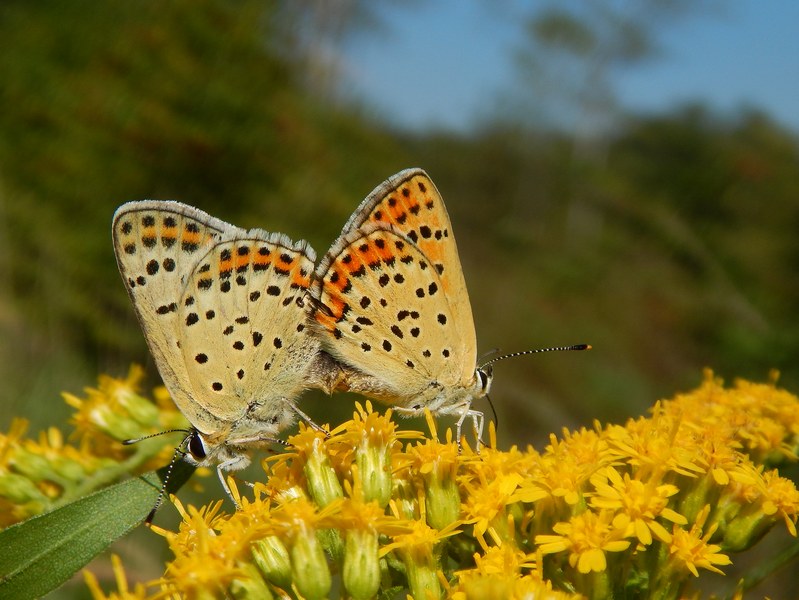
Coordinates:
537	351
179	451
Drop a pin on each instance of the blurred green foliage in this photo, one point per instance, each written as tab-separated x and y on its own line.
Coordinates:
670	244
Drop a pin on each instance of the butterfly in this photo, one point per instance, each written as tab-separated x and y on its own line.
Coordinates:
390	304
224	314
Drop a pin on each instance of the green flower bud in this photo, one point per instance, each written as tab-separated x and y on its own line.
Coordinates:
250	584
443	501
20	490
744	531
323	483
423	579
374	466
141	410
57	469
309	568
273	559
69	469
114	424
331	542
405	499
361	572
34	466
697	496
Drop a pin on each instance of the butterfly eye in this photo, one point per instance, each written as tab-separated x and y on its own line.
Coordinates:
486	375
197	447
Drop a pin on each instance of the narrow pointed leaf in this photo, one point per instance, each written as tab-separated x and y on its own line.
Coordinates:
38	555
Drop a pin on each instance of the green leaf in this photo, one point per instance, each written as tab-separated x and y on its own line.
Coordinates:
40	554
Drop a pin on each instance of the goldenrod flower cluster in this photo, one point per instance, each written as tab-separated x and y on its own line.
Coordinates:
639	510
37	475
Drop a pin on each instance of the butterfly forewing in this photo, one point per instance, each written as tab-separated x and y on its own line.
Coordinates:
410	202
157	245
243	339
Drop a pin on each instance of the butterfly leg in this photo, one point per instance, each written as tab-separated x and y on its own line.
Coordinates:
307	419
221	468
477	425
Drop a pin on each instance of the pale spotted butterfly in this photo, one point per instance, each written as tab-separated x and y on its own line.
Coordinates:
390	304
224	314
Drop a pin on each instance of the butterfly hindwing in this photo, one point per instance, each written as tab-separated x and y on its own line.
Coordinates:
244	340
224	314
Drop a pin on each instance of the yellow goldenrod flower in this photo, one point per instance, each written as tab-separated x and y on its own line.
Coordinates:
495	574
639	509
757	416
651	445
753	504
639	504
199	539
123	591
405	501
567	464
321	478
485	505
780	498
373	436
116	410
587	537
43	473
437	464
690	550
11	440
504	572
418	551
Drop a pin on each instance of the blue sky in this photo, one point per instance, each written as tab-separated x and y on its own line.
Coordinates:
446	63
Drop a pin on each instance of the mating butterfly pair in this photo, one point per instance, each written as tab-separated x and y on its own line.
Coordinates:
240	322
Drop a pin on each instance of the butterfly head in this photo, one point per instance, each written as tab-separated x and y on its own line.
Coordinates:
204	450
485	376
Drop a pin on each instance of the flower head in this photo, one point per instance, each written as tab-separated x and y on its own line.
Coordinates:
640	505
640	509
587	537
690	548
